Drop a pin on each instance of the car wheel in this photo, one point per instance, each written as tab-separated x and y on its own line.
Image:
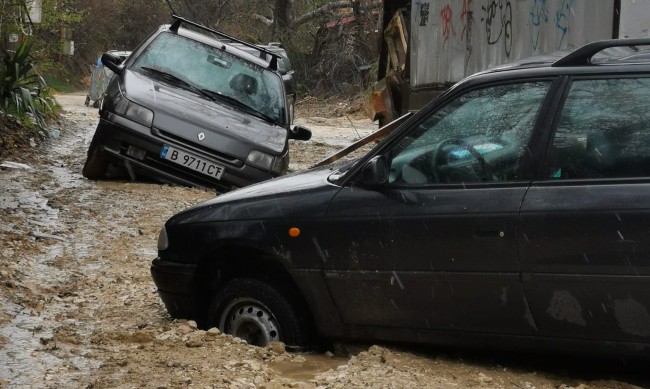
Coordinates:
259	313
96	162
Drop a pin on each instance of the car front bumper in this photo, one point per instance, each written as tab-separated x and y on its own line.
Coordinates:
176	287
117	134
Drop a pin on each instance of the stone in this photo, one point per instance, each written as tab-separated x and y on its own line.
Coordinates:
194	341
277	347
184	329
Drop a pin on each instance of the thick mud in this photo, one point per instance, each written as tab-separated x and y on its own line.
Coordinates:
78	308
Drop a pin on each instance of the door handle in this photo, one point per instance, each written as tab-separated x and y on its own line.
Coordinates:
490	231
490	234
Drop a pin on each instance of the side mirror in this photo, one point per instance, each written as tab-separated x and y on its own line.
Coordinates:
289	83
299	132
113	62
375	172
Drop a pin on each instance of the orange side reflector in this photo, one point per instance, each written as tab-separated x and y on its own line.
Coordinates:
294	232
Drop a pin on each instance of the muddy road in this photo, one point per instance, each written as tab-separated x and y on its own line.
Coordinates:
78	308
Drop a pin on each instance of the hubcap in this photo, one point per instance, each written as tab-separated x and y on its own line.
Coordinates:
251	321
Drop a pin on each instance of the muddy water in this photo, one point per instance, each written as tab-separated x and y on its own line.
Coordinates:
50	248
32	312
313	365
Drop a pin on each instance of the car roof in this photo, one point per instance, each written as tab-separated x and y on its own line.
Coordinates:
226	42
256	50
203	38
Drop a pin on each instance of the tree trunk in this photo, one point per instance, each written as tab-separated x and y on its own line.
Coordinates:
281	15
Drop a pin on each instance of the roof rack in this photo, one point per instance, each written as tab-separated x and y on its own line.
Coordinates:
178	20
583	55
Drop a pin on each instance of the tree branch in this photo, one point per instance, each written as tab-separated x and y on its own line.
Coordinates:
263	19
328	8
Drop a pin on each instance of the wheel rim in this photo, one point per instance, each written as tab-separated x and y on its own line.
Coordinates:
250	320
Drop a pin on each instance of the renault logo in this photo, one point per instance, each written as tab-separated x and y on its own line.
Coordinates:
201	136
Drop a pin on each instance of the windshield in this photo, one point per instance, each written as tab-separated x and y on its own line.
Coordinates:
216	72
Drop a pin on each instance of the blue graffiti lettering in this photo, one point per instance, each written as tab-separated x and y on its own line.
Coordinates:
537	16
562	19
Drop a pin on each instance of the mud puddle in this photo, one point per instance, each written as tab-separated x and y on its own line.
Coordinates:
309	366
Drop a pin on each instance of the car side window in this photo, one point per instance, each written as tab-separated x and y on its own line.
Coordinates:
603	131
479	136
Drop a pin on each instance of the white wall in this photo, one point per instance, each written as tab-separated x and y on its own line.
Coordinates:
635	19
456	38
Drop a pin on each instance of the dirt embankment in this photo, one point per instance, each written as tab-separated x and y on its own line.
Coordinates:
78	308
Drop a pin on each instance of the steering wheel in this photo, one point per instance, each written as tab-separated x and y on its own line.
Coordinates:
485	169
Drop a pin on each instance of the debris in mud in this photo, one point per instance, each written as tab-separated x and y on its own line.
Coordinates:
40	235
15	165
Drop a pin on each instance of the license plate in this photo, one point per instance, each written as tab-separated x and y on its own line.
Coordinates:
190	161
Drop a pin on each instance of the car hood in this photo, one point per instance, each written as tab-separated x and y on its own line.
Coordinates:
294	196
185	114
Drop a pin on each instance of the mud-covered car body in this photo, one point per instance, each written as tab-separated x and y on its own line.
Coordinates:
188	108
511	212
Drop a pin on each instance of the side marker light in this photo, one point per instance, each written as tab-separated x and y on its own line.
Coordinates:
294	232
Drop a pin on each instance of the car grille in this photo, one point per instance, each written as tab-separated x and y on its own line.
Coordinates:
193	146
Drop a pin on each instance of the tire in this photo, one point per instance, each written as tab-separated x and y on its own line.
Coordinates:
260	313
96	163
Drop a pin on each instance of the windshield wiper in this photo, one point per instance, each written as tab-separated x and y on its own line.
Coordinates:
212	95
241	104
176	79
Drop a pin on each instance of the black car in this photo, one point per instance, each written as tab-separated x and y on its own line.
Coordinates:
187	107
513	211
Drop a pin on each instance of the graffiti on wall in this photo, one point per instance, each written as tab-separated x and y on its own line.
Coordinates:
461	37
497	17
562	19
465	14
538	19
454	22
447	18
424	14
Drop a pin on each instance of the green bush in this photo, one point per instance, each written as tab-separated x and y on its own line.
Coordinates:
23	92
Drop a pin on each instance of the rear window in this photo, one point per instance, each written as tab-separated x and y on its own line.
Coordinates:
604	131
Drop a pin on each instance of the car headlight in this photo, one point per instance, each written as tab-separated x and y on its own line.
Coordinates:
163	243
267	162
133	111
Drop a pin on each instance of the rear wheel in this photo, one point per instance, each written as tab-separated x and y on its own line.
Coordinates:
97	161
260	313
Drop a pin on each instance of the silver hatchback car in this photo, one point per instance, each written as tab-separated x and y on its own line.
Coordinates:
190	108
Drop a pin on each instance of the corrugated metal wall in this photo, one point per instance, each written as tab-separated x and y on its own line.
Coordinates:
451	39
635	19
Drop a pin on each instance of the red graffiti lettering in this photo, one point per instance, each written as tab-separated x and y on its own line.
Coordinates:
463	18
446	14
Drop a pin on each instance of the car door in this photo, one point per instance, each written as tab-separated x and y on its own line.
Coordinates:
435	248
585	225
